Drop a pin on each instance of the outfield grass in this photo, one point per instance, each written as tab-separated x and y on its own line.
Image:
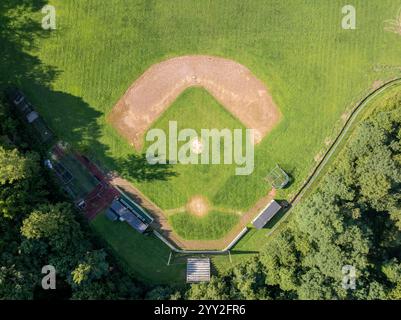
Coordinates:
314	69
144	257
212	226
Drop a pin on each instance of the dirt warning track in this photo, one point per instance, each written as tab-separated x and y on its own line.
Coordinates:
232	84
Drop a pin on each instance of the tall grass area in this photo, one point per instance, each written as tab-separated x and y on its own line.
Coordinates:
212	226
314	69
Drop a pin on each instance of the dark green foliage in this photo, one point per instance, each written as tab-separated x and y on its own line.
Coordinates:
38	228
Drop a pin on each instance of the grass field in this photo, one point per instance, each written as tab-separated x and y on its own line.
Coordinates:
144	257
117	235
213	226
195	109
315	71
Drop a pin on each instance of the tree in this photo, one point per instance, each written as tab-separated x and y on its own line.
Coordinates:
249	281
15	284
54	223
95	291
55	226
21	185
93	267
392	271
163	293
281	262
15	167
216	289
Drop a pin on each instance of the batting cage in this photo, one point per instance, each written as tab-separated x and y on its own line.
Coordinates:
278	178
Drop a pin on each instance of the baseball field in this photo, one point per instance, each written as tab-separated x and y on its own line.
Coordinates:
311	72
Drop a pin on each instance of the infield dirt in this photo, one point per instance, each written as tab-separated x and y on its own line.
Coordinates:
229	82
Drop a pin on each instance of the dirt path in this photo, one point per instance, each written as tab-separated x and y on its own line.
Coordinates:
232	84
162	225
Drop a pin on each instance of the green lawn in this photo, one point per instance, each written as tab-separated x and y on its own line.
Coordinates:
144	257
314	69
212	226
194	109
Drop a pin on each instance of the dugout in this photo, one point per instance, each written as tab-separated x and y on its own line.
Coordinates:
130	212
266	214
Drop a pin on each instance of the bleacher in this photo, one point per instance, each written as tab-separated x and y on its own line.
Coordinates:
198	270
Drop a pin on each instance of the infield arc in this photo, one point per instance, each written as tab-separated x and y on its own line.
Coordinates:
230	83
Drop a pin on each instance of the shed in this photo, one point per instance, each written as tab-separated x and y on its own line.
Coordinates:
266	214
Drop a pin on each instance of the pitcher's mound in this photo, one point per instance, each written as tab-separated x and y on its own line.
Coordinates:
198	205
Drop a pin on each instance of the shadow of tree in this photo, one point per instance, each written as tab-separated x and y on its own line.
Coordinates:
137	167
70	117
241	252
18	35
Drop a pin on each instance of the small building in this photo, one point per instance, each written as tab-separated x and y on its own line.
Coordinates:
133	215
266	214
32	116
198	270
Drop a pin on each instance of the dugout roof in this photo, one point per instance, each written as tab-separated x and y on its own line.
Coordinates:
128	214
267	213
